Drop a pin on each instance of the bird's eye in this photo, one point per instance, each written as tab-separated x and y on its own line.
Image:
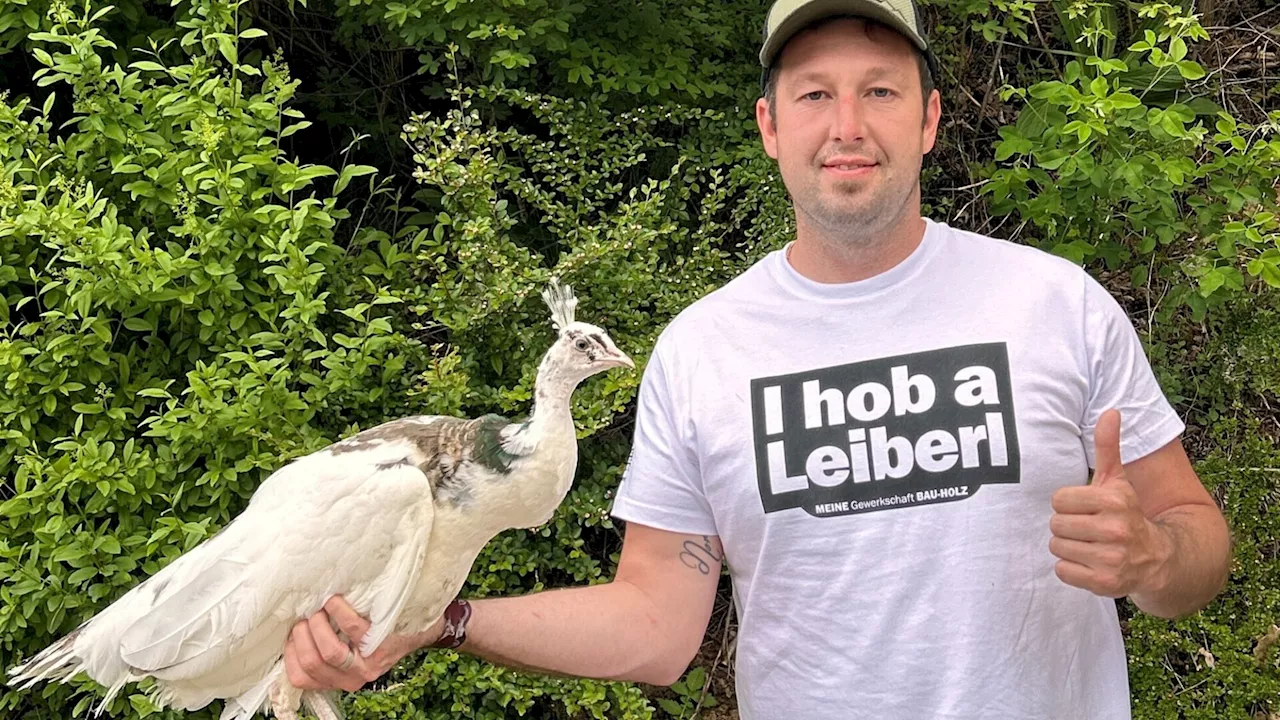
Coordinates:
581	344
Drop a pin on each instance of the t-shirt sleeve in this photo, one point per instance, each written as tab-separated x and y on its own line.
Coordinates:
1120	377
662	485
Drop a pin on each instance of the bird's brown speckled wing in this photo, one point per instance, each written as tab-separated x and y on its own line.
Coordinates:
444	444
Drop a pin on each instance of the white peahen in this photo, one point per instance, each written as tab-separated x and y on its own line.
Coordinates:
391	518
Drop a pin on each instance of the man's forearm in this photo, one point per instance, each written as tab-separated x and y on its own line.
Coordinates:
1198	561
610	631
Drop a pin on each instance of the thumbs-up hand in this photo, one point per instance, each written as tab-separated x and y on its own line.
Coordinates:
1106	545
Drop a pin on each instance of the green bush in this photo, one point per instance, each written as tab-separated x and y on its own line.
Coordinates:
516	206
1113	161
182	314
174	317
197	284
1218	663
651	49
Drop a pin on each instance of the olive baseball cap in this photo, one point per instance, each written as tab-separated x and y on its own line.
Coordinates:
788	17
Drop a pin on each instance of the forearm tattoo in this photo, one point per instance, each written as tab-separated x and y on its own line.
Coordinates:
699	556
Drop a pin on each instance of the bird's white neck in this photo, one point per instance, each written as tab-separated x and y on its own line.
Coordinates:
551	402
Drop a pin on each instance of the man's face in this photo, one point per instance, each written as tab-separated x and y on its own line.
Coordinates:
848	98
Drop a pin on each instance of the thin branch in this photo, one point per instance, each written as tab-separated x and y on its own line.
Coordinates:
1246	21
991	83
1053	60
1068	53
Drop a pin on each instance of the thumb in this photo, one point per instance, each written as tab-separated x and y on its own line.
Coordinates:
1106	448
349	621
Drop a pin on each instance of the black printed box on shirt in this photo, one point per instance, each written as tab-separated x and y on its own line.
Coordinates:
892	432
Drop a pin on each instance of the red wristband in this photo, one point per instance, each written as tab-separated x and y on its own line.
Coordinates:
456	616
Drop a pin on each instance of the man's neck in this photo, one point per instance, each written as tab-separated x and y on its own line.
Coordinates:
833	260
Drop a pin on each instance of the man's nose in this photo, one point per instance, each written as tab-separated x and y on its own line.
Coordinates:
850	124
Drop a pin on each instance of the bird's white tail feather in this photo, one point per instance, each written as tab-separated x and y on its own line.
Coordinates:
94	647
233	710
62	661
190	620
253	700
114	690
252	661
57	662
323	705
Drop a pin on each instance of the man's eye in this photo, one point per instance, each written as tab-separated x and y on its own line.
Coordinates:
818	93
887	92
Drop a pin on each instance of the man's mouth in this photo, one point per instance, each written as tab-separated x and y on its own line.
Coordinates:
849	170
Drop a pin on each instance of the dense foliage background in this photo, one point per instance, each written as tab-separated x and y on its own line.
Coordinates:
233	231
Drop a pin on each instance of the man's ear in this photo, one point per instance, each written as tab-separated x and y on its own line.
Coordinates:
768	133
932	116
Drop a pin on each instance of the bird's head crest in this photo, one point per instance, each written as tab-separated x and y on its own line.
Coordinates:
562	302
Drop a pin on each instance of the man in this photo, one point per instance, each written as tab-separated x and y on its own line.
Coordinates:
886	430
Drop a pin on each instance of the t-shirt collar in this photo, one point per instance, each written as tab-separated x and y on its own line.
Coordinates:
793	282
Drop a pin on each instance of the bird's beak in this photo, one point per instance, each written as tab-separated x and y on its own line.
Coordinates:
622	360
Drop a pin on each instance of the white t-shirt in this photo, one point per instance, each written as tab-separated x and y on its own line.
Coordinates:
878	459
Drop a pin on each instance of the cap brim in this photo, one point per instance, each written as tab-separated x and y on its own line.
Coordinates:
818	9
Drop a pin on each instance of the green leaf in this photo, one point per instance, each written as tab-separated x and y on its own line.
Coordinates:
1138	276
82	575
295	128
228	48
349	173
112	130
1191	70
1124	100
671	707
1211	281
17	506
142	705
138	324
1053	159
1271	275
1072	72
69	552
1226	246
1233	278
101	332
252	33
26	586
